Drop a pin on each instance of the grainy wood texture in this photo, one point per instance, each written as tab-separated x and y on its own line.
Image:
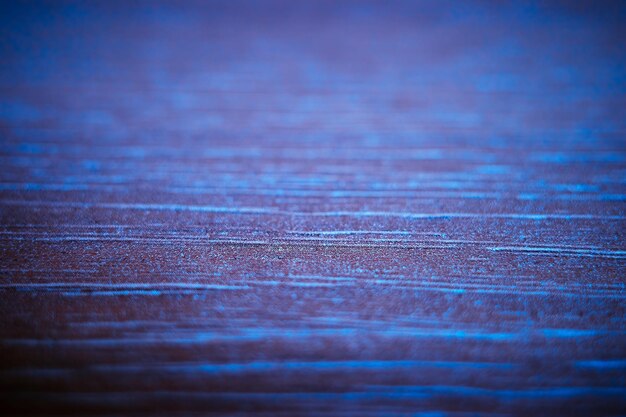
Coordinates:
313	208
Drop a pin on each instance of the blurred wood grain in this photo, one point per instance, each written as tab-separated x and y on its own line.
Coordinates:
312	208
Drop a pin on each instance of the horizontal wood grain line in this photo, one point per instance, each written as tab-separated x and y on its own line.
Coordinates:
527	288
340	213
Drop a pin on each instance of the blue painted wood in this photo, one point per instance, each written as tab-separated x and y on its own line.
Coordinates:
312	208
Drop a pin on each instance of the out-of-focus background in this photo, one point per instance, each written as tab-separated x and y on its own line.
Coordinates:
398	208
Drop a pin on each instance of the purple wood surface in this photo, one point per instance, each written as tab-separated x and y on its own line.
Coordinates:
315	208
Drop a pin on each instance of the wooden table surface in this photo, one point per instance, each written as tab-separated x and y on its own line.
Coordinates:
313	208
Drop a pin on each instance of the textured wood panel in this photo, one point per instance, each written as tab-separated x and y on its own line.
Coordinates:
312	208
